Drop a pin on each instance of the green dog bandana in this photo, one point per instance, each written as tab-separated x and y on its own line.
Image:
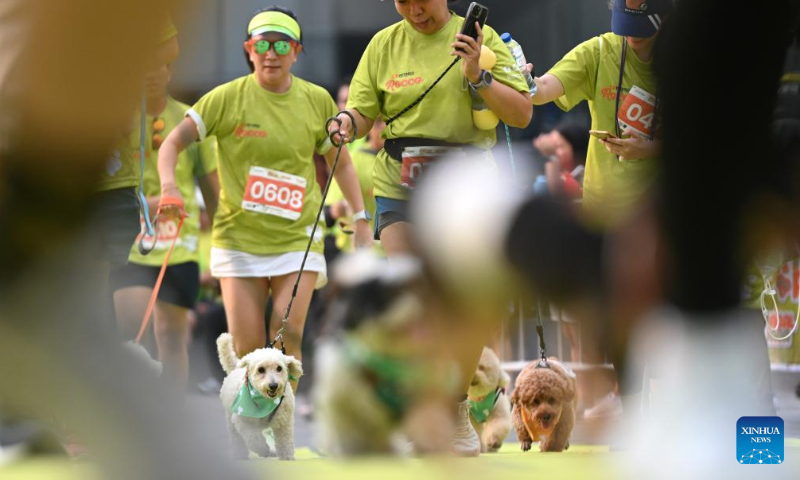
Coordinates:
480	410
250	403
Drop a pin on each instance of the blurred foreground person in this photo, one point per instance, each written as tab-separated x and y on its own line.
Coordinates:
53	328
399	66
671	277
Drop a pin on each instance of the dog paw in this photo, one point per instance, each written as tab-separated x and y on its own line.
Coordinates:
494	444
525	445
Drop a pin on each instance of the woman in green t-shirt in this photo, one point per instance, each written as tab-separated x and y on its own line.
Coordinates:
400	63
268	126
613	72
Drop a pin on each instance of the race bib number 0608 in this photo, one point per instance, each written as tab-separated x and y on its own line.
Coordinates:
273	192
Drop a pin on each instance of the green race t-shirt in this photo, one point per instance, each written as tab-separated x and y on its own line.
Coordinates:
197	160
398	65
364	163
591	72
269	196
122	167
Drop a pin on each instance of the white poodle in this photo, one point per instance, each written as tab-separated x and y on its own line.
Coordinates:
258	399
490	409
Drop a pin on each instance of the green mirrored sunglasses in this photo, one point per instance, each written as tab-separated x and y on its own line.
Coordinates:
261	46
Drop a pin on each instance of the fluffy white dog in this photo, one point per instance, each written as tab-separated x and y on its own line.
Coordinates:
490	409
258	399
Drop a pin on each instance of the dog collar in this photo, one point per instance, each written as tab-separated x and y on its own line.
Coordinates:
250	403
480	410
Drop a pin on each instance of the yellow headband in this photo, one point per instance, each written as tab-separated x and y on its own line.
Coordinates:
167	31
274	22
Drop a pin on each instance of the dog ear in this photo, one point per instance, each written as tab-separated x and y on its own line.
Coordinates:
295	366
566	390
243	363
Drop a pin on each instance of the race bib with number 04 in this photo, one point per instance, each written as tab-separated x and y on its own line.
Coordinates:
637	112
273	192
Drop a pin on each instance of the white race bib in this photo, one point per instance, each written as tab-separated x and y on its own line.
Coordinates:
273	192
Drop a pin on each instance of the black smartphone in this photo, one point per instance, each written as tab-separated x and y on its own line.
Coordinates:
475	13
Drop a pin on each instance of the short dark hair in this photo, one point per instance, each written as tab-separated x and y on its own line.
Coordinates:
273	8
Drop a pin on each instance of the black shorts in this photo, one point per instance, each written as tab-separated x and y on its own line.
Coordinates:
180	287
115	224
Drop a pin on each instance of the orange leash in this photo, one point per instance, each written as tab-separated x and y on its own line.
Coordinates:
165	202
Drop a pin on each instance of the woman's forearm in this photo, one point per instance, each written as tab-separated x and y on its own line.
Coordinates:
177	141
512	107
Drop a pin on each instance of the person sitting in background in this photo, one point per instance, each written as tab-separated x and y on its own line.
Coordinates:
565	146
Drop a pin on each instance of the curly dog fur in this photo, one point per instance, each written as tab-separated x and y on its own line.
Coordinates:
544	404
268	370
487	379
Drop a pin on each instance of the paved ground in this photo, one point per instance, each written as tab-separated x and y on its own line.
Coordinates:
585	433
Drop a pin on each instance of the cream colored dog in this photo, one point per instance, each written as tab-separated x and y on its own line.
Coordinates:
265	372
490	409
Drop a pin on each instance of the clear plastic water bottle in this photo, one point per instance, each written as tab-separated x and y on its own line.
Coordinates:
516	51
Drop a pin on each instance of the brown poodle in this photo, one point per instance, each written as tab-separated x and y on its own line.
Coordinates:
544	404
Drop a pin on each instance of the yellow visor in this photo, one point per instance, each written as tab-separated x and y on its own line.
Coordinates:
274	22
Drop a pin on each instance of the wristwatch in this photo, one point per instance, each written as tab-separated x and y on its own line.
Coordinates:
486	80
362	215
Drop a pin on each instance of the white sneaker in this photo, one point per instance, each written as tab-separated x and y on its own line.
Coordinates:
465	441
608	406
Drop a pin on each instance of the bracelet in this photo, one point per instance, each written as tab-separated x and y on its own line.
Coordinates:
353	121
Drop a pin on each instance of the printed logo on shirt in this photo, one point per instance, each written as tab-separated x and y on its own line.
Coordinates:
610	93
403	80
249	130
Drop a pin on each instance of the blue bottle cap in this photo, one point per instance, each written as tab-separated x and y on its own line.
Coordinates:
506	37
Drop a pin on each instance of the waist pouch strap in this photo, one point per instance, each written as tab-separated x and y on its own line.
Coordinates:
394	147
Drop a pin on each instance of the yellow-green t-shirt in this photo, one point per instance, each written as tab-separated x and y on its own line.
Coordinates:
591	72
783	275
364	163
266	145
197	160
122	167
398	65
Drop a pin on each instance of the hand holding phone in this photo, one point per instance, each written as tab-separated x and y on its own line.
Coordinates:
602	134
475	13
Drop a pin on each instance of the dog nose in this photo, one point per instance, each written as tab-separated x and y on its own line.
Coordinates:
474	382
273	386
546	417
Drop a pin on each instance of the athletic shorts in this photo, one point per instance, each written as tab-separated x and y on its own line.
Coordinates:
387	212
181	284
233	263
115	224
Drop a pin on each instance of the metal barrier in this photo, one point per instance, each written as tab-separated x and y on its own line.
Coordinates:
519	343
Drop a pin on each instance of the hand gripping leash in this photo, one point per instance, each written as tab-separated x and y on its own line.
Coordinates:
338	145
165	202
